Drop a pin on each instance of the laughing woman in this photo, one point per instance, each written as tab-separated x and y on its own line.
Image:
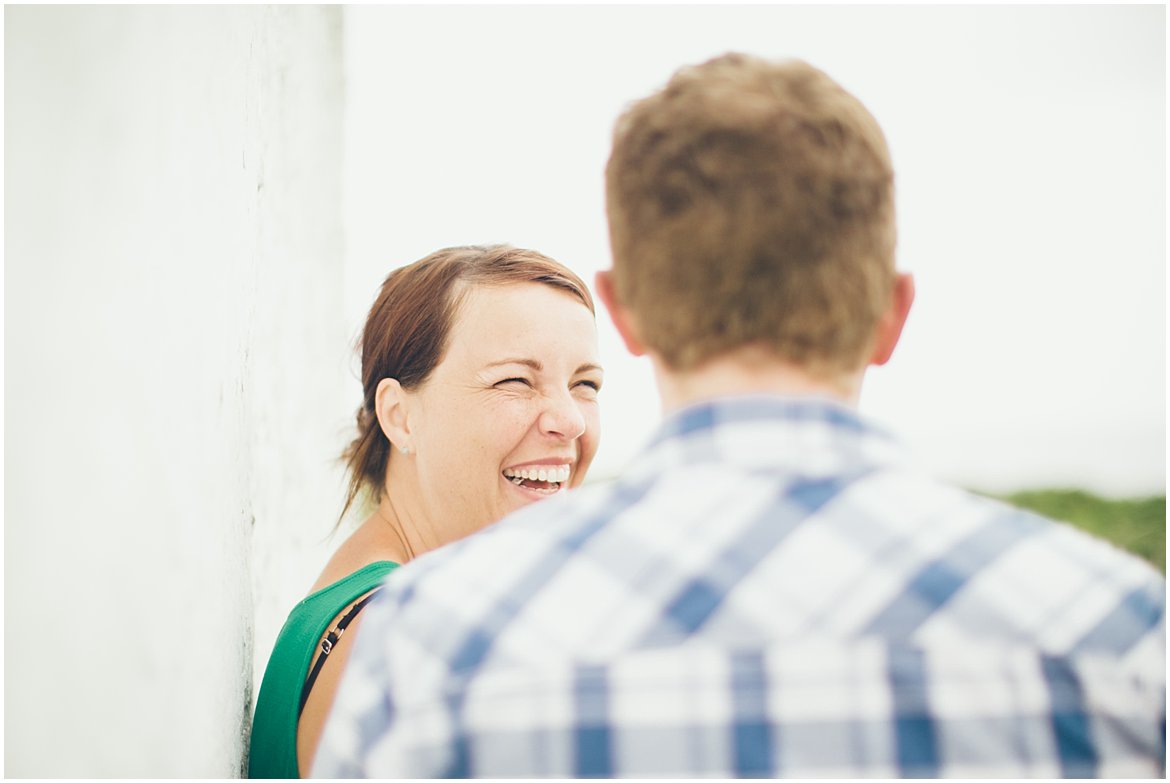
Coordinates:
480	377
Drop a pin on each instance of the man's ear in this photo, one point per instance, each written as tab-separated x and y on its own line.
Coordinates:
390	405
889	327
623	321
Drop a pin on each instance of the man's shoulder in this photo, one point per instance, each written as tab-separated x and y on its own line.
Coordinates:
1058	541
523	534
980	567
485	565
916	495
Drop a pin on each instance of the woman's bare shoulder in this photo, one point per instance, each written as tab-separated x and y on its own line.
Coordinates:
369	543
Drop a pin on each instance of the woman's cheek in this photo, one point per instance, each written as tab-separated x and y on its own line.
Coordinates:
590	439
515	418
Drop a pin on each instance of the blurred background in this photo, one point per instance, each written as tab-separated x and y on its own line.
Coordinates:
201	202
1029	146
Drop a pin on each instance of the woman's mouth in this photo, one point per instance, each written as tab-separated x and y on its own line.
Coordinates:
543	479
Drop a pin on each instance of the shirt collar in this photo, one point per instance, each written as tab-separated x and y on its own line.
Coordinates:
809	435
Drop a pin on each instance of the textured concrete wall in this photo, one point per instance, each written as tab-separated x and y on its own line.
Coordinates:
175	372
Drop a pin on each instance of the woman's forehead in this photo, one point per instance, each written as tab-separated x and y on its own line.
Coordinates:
530	321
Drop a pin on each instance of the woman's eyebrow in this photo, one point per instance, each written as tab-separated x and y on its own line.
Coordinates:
538	367
533	363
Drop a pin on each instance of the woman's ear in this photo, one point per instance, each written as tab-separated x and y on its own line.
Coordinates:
390	405
622	319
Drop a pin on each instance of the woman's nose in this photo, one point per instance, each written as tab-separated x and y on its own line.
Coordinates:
562	417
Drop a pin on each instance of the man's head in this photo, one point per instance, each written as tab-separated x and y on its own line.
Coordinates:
751	205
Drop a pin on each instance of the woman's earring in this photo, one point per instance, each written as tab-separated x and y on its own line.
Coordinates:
404	449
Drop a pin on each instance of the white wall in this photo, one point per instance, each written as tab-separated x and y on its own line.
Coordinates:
175	372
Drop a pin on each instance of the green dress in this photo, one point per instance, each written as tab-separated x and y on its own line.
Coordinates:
273	751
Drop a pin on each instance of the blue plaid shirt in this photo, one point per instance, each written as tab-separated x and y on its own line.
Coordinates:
771	589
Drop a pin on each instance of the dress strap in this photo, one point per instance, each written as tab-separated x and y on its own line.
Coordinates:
328	643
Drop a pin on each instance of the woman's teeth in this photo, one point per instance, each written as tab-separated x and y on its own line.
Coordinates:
552	474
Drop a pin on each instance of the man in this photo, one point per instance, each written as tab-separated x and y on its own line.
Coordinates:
771	588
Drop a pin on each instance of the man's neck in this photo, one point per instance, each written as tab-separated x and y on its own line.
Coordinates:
748	371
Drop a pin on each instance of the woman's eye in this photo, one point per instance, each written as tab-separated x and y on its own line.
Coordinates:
594	385
524	381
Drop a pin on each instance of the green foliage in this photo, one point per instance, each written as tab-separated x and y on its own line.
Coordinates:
1138	525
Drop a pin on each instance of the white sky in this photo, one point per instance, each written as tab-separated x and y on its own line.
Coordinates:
1030	150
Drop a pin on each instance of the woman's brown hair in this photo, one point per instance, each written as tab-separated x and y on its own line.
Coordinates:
405	336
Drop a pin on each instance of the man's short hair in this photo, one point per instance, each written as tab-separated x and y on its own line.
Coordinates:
752	203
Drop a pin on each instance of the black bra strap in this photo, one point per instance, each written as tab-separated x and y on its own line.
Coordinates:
329	642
